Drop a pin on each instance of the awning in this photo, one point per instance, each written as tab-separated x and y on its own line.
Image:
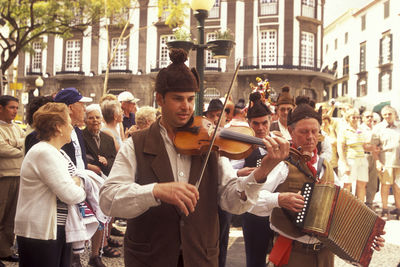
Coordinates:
378	108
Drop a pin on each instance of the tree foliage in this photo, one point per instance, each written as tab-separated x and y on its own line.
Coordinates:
24	21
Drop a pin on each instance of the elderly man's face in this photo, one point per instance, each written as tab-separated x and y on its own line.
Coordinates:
388	114
368	118
283	111
93	121
305	134
77	113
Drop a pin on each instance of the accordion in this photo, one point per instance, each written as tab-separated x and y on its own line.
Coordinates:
340	221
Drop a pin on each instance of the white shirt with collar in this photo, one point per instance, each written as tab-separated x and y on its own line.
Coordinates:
122	197
268	198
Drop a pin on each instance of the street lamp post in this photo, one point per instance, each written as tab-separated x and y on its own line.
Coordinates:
200	8
39	84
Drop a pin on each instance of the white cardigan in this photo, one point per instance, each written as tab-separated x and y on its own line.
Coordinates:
44	176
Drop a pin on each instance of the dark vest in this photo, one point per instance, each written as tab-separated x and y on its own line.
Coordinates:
254	160
274	126
158	236
294	183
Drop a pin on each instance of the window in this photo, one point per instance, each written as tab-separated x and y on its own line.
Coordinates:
268	7
334	91
335	44
37	57
309	92
210	61
363	22
386	9
164	58
308	8
214	12
385	49
211	93
363	48
73	55
362	87
346	65
307	49
345	89
385	81
119	62
268	47
346	37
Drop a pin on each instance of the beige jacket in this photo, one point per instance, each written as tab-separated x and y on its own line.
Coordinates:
12	139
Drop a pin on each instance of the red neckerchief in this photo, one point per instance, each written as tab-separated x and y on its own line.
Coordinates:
311	162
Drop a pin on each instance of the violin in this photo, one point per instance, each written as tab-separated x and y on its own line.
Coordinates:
235	142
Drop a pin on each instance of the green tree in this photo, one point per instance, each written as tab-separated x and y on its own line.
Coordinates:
25	21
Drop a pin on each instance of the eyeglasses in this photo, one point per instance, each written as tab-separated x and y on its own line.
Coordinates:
285	109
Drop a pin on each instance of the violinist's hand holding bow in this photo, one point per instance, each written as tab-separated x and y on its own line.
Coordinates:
183	195
278	149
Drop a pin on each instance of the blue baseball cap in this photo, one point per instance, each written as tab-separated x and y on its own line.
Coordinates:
70	96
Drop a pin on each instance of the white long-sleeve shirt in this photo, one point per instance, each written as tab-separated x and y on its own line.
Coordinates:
121	196
268	198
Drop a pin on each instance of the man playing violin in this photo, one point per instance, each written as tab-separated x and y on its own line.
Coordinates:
292	247
171	222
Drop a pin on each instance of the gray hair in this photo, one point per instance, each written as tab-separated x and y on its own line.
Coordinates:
109	108
92	107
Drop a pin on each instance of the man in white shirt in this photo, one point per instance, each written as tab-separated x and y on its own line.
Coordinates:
257	234
284	104
171	221
292	247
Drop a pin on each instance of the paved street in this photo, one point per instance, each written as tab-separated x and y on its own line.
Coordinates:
388	257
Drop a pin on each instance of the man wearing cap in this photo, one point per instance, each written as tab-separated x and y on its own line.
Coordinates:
171	221
128	105
76	105
292	247
76	148
284	104
257	234
214	110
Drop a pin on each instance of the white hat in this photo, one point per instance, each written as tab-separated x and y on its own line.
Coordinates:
127	97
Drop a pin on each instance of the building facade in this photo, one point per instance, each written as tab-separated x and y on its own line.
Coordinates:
361	48
278	40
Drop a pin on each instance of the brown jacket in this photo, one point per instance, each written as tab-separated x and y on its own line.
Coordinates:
157	237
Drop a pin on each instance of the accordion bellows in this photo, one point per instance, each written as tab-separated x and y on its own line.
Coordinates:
340	221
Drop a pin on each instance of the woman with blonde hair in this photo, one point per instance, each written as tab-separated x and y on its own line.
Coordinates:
353	165
46	190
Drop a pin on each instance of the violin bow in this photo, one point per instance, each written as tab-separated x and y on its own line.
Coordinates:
203	168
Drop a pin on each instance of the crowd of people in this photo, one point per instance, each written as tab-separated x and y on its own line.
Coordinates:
80	166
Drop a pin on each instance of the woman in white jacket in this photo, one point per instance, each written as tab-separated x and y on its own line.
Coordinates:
46	190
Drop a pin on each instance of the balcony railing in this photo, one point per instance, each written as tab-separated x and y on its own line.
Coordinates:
33	70
119	69
159	64
308	11
268	9
68	69
254	63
